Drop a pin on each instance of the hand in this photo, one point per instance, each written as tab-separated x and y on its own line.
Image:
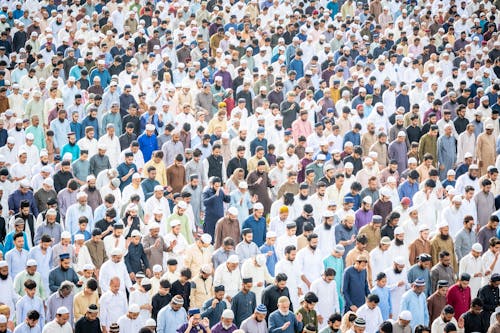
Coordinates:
260	284
214	303
299	292
285	326
79	283
255	198
157	243
229	298
460	322
205	322
353	308
110	229
320	319
441	167
269	253
191	322
298	316
130	172
148	272
129	220
132	276
480	164
259	180
401	283
148	307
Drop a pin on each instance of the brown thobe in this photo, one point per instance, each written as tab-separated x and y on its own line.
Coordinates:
176	177
485	152
97	252
154	254
438	245
226	228
287	187
4	104
260	188
367	140
435	304
373	235
382	153
417	247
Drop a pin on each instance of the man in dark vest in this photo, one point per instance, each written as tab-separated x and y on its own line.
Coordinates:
214	163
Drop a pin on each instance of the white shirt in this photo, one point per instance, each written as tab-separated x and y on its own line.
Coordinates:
111	242
230	280
140	298
465	180
310	263
326	239
396	292
109	270
472	266
379	261
54	327
112	148
328	303
112	307
278	226
282	242
258	274
292	271
90	145
8	297
455	218
373	318
128	325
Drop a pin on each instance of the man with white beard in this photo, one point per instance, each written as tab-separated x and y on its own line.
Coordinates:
399	247
289	238
288	266
397	282
380	257
328	303
454	215
326	233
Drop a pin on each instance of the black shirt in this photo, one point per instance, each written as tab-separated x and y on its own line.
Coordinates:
83	325
183	290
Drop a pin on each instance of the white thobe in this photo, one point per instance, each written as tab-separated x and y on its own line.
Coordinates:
112	148
90	145
488	258
111	269
328	300
292	271
380	261
8	296
326	239
258	274
278	226
427	208
32	153
179	249
54	327
128	325
130	190
401	250
112	306
469	208
471	265
140	298
230	280
112	242
282	242
465	180
396	292
373	318
455	218
310	263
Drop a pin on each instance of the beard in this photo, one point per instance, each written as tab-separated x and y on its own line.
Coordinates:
4	277
327	226
397	270
398	242
444	237
303	197
92	188
313	247
278	127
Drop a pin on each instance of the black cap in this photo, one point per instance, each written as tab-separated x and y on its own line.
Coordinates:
247	280
413	174
465	277
308	208
96	232
443	283
311	297
430	183
219	288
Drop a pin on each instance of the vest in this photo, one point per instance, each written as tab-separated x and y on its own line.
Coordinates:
214	166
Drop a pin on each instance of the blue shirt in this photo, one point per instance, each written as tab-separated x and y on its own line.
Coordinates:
124	169
417	305
277	320
258	228
147	144
271	260
408	190
16	260
385	304
169	320
355	287
24	328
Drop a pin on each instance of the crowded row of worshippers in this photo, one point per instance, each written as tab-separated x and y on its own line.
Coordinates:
249	166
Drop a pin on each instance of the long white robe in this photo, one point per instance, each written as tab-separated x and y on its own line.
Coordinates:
396	291
328	299
292	271
109	270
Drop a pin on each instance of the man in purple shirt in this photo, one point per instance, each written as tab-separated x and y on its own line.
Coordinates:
364	214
